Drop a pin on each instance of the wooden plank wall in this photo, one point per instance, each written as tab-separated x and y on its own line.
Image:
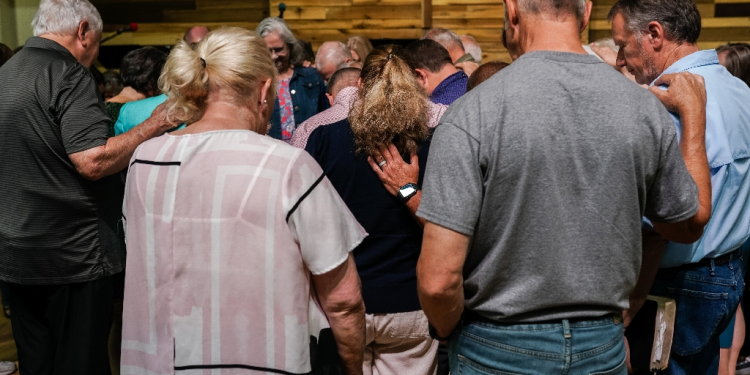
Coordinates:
164	21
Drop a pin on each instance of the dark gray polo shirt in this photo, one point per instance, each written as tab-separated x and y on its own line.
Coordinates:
55	226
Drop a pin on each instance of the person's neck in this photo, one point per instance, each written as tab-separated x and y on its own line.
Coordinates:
223	114
673	52
542	32
127	95
67	41
438	78
287	73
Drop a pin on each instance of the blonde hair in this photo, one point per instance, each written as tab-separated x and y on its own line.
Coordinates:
360	45
230	57
391	106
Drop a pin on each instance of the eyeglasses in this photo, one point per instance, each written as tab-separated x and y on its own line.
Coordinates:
277	51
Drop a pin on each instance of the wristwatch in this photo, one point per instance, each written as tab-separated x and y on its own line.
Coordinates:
407	191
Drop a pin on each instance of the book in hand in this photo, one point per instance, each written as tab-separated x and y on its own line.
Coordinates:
650	335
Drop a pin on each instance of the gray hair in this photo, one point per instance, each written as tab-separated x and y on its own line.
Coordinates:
445	37
557	7
679	18
62	17
335	52
472	47
273	24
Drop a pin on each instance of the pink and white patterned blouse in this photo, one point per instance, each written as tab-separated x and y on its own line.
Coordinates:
224	230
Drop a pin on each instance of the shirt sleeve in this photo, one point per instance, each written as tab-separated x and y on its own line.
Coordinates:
452	188
322	224
672	195
84	123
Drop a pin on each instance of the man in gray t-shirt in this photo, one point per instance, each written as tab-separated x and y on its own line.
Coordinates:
534	192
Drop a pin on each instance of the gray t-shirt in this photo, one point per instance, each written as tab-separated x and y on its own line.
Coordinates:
549	166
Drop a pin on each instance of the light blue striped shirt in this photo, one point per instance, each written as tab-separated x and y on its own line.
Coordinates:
728	148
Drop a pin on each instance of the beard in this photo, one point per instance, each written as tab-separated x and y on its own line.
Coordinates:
649	71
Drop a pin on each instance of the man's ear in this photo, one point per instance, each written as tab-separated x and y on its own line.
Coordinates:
422	76
83	29
330	99
586	15
655	34
359	82
511	6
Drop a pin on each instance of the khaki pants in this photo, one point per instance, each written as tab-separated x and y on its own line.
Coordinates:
399	344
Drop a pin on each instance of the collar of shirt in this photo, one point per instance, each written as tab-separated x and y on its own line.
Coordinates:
44	43
452	88
692	61
346	96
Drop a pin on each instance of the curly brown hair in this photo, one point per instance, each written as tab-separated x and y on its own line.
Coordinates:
391	106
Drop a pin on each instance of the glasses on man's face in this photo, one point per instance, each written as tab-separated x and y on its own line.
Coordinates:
277	51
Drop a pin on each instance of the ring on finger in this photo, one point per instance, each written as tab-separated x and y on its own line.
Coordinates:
381	164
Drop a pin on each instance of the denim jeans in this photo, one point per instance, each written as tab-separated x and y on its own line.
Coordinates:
592	347
707	298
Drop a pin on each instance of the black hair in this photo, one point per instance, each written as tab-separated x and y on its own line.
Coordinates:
429	55
140	69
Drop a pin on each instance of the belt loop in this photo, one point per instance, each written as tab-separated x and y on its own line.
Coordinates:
731	256
713	273
566	328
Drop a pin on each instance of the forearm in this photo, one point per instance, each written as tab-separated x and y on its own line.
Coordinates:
440	282
349	331
443	310
653	246
413	205
693	147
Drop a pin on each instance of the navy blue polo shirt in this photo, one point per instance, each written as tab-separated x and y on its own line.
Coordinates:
387	258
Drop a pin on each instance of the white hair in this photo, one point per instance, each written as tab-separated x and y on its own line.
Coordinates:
445	37
63	17
334	52
472	47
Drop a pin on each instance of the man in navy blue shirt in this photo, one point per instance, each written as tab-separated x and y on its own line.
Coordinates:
442	81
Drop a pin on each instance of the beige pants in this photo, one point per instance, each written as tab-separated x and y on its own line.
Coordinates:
399	344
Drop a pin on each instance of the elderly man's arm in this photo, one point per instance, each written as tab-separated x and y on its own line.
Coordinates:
440	281
339	293
686	96
114	156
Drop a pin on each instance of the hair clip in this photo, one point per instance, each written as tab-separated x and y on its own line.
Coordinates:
203	62
388	58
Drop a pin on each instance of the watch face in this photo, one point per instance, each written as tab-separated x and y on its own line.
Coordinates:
407	190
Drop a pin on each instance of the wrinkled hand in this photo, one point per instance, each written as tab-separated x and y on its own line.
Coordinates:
607	54
686	92
468	67
159	118
395	173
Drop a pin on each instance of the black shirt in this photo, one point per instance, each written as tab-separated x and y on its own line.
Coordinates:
56	227
387	259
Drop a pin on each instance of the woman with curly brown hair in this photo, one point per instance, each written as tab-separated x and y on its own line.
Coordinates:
389	124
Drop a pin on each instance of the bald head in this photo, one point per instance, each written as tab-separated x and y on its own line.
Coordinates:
194	34
331	56
343	78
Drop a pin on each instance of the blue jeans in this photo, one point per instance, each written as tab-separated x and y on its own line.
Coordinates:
707	298
592	347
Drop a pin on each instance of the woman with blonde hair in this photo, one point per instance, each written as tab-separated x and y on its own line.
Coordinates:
390	122
359	46
238	246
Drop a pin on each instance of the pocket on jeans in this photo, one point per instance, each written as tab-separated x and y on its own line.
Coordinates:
699	313
469	367
620	369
